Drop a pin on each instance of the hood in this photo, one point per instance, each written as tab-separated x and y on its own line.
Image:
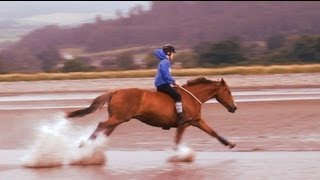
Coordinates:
159	53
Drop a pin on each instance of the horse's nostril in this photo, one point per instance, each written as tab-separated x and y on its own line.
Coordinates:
235	108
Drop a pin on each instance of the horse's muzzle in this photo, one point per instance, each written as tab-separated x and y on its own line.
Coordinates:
232	109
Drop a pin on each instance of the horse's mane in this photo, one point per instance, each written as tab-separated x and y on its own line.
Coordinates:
197	80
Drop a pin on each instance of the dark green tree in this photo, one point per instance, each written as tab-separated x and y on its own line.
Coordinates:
151	61
74	65
50	58
275	41
317	49
1	68
306	49
188	59
226	52
126	61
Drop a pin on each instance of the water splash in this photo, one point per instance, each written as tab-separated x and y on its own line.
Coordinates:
54	148
182	154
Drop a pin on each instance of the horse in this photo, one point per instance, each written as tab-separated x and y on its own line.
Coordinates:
157	109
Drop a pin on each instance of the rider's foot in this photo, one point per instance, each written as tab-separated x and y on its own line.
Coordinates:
182	119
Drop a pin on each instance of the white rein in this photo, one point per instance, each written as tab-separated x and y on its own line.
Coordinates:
190	94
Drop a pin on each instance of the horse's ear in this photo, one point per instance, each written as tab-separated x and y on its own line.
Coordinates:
222	81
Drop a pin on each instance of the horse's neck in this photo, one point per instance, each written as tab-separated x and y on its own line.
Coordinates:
203	92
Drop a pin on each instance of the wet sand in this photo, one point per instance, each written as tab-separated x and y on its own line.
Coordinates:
275	140
152	165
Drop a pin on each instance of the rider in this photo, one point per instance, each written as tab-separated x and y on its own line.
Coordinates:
163	80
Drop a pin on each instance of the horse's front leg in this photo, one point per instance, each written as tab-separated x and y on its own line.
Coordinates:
205	127
179	133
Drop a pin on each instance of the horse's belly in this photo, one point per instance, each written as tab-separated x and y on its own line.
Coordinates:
157	109
163	122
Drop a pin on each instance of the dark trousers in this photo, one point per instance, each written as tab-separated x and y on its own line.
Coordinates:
166	88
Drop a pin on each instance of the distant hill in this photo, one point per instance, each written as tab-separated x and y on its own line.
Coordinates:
183	23
186	23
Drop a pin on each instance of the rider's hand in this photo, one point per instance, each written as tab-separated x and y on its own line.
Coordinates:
176	83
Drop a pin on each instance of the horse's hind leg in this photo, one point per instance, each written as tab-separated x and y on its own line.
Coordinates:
106	127
204	126
101	128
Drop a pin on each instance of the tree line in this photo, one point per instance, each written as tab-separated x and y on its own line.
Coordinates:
277	49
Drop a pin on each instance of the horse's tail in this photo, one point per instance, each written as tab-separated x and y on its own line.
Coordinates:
97	103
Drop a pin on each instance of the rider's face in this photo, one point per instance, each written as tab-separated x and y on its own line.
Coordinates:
170	56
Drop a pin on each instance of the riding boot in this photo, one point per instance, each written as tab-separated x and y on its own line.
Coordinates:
182	119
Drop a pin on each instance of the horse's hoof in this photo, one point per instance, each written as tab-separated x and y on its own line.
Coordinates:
82	143
182	123
232	145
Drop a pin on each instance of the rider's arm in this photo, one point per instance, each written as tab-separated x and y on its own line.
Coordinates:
166	72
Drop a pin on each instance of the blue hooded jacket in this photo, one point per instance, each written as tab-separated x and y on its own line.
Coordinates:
163	75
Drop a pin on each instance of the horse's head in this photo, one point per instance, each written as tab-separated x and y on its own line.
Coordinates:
225	97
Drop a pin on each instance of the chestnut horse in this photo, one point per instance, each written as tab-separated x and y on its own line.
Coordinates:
158	109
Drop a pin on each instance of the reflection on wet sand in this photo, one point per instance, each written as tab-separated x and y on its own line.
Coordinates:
153	165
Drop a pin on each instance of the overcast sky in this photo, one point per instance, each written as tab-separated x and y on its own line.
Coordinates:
62	12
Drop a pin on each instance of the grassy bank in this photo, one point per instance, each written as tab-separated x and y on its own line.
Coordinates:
274	69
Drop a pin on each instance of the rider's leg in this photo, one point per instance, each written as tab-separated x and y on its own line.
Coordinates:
177	99
182	118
